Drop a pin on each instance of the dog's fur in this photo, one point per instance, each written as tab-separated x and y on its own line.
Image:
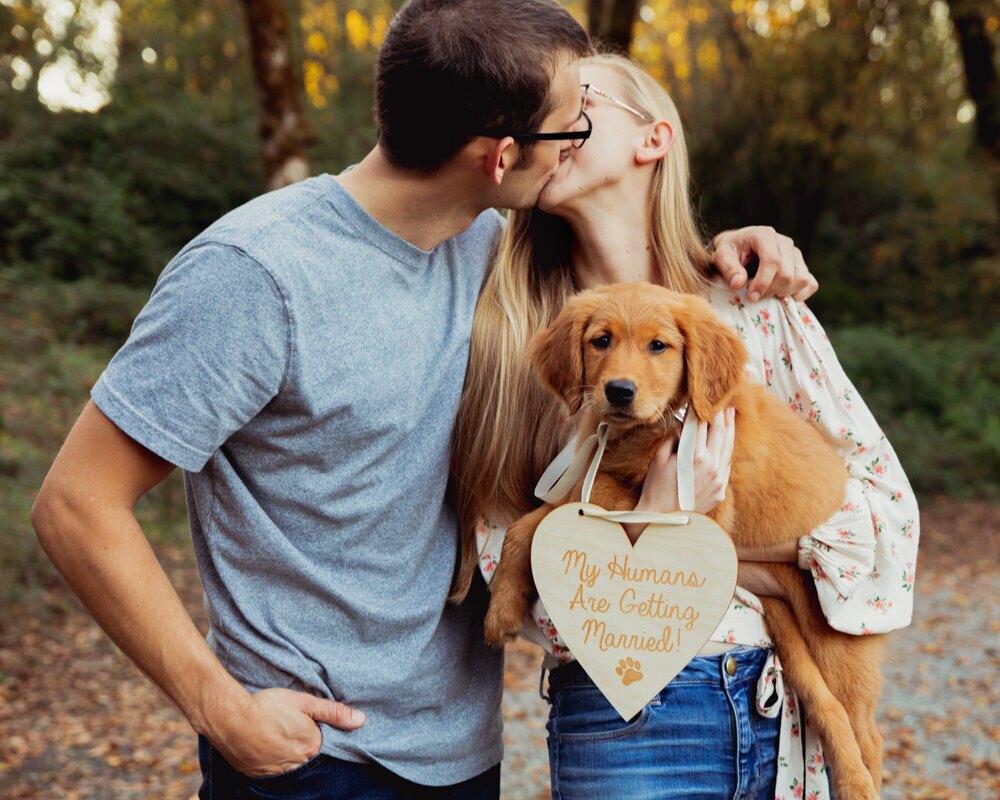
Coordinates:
785	479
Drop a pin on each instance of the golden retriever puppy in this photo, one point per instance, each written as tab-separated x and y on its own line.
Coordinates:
632	354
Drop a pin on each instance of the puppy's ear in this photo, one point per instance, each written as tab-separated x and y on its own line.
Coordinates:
557	351
714	356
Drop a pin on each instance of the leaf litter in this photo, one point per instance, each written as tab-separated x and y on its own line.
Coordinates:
79	722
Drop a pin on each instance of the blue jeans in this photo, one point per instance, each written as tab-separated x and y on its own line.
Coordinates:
700	738
328	778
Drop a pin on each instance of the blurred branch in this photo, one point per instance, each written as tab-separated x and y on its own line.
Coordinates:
611	22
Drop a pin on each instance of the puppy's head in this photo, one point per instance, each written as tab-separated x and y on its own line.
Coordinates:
637	352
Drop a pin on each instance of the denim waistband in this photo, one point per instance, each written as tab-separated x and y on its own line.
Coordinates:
745	663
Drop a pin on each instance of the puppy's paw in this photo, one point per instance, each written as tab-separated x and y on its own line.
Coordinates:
503	620
856	785
495	634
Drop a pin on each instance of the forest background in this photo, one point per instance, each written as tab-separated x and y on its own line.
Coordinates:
868	130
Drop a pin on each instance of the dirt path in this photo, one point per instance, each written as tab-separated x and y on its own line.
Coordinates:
78	721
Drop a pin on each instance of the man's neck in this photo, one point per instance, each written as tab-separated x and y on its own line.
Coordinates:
425	209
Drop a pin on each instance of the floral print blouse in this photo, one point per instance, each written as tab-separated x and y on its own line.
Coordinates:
863	558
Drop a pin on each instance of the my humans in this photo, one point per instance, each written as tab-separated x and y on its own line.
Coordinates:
618	210
302	361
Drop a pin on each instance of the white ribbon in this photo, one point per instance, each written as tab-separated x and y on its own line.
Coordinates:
641	517
685	461
771	687
566	468
570	464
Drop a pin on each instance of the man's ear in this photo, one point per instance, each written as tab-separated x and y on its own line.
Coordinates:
656	143
499	159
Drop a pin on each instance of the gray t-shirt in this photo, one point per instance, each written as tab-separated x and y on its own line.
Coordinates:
303	365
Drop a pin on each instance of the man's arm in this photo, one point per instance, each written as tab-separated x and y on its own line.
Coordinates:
85	521
782	271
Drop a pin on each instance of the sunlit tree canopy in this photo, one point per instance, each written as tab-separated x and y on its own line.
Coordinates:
66	51
816	116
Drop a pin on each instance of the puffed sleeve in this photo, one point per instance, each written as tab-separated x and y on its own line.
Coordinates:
863	558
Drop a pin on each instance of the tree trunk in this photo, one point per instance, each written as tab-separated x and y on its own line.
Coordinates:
981	80
284	130
611	21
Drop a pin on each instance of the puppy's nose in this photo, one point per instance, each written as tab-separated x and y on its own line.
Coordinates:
619	393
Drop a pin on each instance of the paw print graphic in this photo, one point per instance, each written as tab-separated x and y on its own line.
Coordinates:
631	671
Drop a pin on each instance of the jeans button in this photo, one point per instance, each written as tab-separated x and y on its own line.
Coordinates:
730	666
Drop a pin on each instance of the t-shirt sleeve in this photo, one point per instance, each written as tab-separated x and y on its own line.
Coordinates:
205	355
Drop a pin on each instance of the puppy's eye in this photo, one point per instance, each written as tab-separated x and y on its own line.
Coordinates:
656	346
602	342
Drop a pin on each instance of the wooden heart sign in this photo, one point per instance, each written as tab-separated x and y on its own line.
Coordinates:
632	616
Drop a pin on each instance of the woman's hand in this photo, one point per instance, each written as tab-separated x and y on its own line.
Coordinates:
713	454
782	271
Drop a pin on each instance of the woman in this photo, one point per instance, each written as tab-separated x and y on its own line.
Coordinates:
618	210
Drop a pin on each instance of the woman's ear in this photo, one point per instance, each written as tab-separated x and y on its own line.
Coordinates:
499	159
656	143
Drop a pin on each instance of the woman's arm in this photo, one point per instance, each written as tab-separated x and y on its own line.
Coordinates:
863	557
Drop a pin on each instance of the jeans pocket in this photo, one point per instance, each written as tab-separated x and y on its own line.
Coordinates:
294	773
583	714
220	781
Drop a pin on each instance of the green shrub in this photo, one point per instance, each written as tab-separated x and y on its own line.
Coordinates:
937	400
55	339
112	196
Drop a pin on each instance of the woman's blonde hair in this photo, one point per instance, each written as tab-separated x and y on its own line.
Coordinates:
509	427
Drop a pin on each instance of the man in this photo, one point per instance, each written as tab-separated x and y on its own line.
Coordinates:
302	360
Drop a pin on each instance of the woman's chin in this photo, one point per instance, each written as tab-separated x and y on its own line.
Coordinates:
550	199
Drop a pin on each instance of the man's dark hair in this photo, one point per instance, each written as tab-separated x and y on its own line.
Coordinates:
450	67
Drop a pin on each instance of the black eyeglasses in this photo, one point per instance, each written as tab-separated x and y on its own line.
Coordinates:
577	138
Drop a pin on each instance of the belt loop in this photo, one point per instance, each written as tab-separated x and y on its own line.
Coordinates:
541	685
